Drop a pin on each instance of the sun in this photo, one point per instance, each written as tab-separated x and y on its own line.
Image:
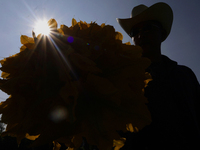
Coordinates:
42	27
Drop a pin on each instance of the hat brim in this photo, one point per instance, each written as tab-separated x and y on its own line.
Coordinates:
160	12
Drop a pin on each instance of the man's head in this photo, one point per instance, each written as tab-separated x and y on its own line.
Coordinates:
149	35
149	26
160	12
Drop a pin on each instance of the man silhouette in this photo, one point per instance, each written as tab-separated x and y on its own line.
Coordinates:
173	94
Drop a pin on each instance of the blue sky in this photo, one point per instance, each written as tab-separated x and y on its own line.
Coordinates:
18	17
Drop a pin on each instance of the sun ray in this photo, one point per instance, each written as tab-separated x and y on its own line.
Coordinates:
29	8
66	63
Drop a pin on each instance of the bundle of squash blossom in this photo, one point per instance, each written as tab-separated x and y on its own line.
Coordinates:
79	81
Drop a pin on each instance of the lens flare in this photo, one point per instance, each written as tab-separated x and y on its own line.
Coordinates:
42	27
58	114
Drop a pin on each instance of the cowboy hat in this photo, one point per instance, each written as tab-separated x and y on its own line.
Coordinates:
160	12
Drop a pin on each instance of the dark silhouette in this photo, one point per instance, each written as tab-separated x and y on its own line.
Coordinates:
173	94
10	143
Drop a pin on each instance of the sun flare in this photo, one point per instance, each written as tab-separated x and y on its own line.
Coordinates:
42	27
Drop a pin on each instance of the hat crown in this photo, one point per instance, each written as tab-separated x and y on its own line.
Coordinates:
138	10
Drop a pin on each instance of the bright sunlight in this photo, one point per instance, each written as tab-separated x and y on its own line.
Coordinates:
42	27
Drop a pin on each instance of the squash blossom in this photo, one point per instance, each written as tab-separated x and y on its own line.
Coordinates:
79	81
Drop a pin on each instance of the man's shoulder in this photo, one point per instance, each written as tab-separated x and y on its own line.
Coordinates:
181	71
185	74
185	70
175	66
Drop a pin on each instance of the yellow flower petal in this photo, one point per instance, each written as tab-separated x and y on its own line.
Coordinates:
118	36
74	22
25	39
52	23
